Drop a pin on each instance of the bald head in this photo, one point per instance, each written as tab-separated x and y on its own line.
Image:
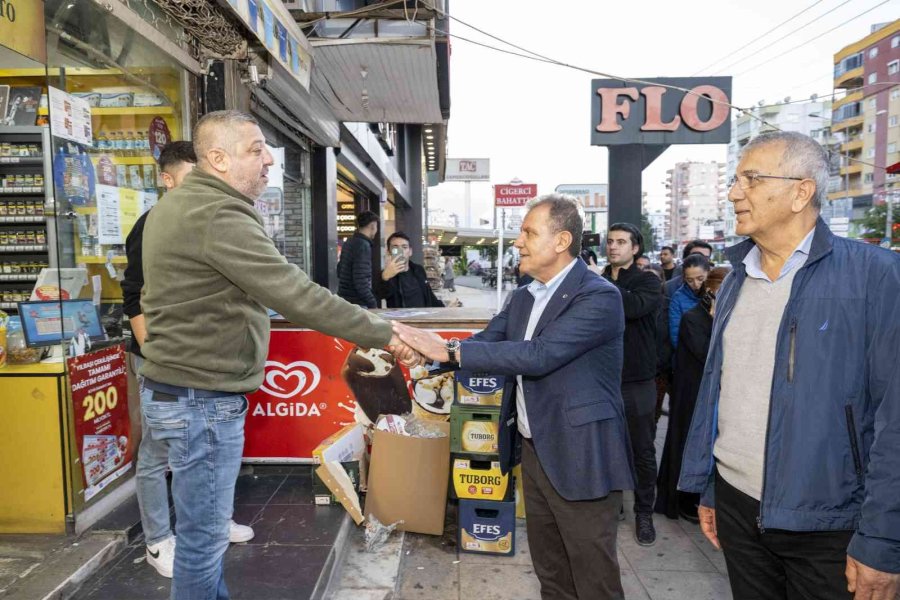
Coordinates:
230	145
219	129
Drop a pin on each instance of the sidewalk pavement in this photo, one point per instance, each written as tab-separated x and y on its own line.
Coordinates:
682	565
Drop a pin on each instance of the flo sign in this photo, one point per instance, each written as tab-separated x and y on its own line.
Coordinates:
638	121
624	113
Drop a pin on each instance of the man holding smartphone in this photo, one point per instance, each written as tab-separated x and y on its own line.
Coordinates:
403	283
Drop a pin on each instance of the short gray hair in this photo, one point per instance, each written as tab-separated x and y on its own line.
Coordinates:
218	129
802	157
566	214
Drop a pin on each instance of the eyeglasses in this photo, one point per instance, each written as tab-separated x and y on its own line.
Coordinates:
750	179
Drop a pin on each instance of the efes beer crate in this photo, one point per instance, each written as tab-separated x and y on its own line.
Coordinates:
478	478
479	389
487	527
474	430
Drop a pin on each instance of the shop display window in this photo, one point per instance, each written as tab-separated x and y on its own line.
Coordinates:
113	101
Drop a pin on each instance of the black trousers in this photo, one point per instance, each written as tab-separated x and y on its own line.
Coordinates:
777	564
640	412
573	544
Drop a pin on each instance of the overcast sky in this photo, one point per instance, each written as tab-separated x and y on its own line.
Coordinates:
533	119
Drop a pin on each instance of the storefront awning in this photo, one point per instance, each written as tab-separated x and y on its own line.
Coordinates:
378	80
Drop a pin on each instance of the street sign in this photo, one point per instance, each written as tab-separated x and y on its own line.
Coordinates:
467	169
508	194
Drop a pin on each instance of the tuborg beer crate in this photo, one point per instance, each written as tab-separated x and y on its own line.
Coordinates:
475	477
474	430
487	527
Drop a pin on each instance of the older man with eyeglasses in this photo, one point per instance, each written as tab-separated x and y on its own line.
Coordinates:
795	439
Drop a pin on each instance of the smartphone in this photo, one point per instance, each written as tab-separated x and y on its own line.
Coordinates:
397	256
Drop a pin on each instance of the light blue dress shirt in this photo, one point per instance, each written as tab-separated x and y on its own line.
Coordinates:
542	293
753	260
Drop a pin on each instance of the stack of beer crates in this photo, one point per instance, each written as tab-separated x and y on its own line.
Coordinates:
487	506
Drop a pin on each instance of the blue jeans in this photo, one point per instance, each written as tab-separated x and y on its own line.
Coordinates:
152	493
204	441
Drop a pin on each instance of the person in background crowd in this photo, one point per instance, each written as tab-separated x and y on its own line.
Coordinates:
641	297
695	269
658	271
561	332
667	261
403	283
692	247
449	276
642	262
176	160
690	358
795	436
210	271
355	266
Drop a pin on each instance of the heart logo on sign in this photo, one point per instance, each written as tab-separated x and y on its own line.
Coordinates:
286	381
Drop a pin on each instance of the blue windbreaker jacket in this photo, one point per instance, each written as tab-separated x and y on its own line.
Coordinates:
833	444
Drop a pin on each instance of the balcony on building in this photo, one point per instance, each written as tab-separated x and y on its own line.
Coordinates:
849	71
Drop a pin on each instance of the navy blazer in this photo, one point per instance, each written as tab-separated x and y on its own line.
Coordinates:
571	373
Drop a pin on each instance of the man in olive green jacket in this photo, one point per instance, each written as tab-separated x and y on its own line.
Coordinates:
210	272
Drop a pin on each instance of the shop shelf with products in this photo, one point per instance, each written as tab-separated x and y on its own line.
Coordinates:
25	236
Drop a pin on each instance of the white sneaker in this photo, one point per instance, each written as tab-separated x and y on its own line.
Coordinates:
161	556
239	533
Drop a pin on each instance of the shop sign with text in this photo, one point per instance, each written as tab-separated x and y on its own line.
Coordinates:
652	113
100	402
514	194
468	169
22	28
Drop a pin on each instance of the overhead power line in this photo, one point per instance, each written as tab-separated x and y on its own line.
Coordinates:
534	56
757	38
785	36
812	39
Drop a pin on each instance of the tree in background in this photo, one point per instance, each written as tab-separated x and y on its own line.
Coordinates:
872	225
647	232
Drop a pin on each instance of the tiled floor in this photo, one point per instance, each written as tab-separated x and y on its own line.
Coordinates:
284	561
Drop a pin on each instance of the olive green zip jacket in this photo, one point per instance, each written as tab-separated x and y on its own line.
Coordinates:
210	272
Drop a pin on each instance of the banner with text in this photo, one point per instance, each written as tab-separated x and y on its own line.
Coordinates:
314	384
102	426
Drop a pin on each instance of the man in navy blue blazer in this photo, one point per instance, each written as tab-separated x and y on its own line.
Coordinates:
559	342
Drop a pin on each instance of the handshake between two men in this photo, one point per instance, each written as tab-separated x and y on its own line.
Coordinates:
413	347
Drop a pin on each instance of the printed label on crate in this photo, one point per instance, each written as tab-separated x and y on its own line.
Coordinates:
480	436
481	480
486	538
479	389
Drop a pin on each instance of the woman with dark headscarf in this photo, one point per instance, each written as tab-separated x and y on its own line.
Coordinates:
690	358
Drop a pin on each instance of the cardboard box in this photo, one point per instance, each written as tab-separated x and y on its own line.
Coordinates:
322	496
408	480
335	477
479	389
487	527
477	479
344	445
475	430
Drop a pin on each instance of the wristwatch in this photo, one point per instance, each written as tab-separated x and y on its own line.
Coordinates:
452	347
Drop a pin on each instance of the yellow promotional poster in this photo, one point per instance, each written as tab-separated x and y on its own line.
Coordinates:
480	436
22	28
479	481
470	543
